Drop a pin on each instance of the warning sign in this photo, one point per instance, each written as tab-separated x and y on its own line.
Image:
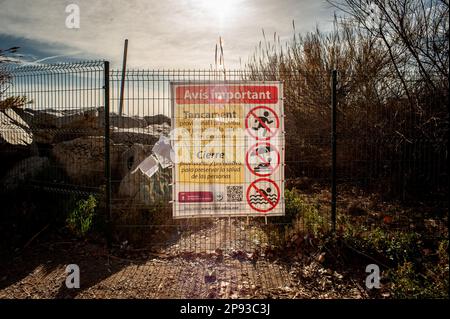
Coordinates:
228	140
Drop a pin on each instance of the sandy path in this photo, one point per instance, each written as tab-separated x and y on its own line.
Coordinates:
213	262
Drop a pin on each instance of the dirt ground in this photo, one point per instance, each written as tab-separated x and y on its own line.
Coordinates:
220	261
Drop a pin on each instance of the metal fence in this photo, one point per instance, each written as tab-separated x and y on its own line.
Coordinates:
142	207
52	145
71	116
62	108
372	155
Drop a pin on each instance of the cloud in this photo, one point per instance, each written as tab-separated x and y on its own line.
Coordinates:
162	34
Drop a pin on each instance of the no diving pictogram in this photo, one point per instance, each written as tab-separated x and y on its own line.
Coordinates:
262	159
262	123
263	195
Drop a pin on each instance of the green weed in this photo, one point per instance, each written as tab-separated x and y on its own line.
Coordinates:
80	219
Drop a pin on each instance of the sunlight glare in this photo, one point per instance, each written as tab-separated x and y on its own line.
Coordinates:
220	9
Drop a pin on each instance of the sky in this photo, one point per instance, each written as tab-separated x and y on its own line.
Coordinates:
163	34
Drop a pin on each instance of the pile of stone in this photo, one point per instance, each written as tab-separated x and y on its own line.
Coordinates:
73	140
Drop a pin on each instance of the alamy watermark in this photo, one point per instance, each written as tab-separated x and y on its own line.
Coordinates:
73	18
373	279
73	276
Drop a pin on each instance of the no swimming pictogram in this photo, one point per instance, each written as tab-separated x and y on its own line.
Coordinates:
263	195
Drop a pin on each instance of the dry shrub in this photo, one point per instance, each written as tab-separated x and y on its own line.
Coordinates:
388	135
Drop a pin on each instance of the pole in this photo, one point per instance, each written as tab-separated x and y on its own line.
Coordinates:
124	69
107	158
333	149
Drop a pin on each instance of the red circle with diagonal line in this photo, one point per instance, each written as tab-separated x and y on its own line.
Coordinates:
272	204
256	146
273	131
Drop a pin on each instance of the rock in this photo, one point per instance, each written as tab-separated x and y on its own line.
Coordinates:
16	140
51	118
83	158
148	135
53	126
24	170
143	191
132	157
46	136
124	121
79	119
158	129
157	119
141	198
137	189
13	129
44	118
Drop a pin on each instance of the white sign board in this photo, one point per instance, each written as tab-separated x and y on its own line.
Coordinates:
228	140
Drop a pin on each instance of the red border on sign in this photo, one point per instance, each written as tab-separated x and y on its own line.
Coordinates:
253	185
251	112
256	146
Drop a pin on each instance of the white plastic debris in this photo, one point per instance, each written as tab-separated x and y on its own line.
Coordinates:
149	166
164	152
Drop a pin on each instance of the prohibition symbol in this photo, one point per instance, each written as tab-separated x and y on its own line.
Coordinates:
262	123
263	195
262	159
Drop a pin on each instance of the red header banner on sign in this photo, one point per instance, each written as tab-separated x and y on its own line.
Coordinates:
217	94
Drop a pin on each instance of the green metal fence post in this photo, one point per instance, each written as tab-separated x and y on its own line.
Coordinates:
107	157
333	149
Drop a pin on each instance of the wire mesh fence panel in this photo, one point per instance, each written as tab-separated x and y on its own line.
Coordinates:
372	155
142	205
52	144
152	163
390	160
53	139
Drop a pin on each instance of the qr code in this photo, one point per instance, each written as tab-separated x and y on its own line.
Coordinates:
234	193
